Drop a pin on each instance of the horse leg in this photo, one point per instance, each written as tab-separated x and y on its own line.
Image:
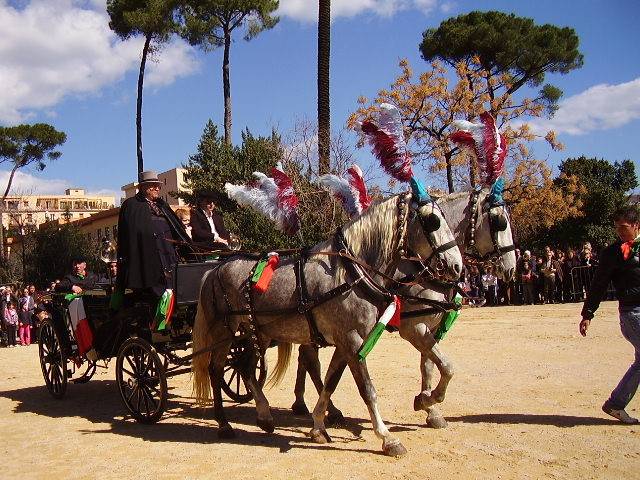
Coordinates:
299	406
264	420
390	445
336	367
216	374
421	338
427	398
434	417
308	357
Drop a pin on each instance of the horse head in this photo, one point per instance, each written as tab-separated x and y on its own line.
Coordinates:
429	235
490	232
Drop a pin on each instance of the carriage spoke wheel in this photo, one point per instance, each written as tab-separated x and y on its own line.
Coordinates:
141	380
53	360
232	382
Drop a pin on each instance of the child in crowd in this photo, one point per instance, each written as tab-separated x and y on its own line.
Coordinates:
11	323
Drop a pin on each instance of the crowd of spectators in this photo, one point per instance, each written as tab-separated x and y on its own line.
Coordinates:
550	276
19	309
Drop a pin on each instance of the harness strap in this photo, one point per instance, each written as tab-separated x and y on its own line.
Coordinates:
305	306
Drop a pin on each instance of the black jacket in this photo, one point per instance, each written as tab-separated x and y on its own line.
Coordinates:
625	275
85	283
201	230
139	262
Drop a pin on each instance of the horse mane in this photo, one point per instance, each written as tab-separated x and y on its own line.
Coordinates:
372	235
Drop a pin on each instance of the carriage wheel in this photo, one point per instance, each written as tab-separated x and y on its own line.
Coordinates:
141	379
88	373
232	382
52	359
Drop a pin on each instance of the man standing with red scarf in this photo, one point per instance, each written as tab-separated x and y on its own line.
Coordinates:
620	264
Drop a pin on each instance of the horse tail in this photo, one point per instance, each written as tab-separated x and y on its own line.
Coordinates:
284	356
202	339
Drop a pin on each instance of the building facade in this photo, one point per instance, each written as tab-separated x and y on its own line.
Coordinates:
31	211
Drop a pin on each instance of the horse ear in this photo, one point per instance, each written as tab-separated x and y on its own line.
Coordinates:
420	194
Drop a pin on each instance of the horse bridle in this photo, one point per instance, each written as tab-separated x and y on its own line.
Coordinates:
430	224
497	223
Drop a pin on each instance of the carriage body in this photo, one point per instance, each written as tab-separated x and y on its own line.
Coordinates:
144	357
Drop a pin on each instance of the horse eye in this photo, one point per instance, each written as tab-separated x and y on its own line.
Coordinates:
430	223
498	222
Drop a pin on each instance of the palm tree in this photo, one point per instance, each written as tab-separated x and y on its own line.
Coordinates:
324	108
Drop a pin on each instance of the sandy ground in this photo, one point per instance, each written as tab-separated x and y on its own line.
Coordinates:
524	403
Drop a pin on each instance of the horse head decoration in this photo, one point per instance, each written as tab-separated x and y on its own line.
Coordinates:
492	240
433	241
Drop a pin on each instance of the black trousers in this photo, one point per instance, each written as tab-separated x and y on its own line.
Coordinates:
11	334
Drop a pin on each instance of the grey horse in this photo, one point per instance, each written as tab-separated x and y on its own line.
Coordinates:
483	231
377	240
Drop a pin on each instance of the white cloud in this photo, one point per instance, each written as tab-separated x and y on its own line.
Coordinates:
307	11
600	107
26	184
54	48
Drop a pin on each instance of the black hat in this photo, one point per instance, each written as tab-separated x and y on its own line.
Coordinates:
76	259
209	194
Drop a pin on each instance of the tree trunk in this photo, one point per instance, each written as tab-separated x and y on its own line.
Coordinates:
226	86
4	197
143	62
324	55
447	159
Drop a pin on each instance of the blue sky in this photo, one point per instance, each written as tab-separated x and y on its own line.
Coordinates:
60	64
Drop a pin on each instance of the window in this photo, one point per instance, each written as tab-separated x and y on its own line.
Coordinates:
107	233
99	234
114	229
89	236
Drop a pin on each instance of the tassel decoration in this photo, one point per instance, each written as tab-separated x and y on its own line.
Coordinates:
391	315
264	278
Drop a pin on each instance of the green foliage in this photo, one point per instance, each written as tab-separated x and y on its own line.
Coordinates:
34	144
207	21
53	250
607	188
216	163
129	18
505	43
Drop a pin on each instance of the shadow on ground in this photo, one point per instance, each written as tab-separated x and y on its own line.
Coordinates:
99	402
532	419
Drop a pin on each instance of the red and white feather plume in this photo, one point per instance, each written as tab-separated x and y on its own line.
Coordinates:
386	138
351	191
273	197
487	144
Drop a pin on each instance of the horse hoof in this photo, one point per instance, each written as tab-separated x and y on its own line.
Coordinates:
393	448
226	433
436	421
299	408
266	425
319	436
422	401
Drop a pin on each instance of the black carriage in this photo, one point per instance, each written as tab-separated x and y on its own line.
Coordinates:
144	357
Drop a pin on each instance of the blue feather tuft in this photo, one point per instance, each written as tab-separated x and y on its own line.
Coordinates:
495	195
420	194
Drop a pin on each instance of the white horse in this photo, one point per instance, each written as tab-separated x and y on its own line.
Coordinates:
335	290
483	231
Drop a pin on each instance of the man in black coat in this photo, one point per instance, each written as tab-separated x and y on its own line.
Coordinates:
79	280
150	236
207	226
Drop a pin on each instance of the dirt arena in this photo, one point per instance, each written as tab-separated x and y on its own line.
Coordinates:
524	403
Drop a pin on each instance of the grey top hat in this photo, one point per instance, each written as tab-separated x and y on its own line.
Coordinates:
148	176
